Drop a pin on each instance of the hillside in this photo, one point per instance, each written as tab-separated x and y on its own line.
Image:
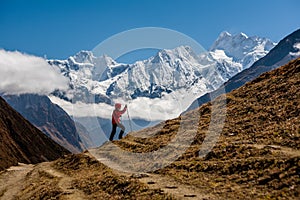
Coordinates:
257	155
51	119
73	177
21	142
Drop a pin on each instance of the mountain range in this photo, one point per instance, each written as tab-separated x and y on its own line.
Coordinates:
170	74
286	50
157	88
167	80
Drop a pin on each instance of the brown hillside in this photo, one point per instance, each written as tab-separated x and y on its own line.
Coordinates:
73	177
22	142
257	155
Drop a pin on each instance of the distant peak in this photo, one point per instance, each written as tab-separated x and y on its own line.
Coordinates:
183	51
106	60
178	50
242	35
229	42
84	53
224	34
83	56
184	47
106	57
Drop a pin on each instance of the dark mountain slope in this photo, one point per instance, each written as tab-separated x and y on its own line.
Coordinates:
49	118
21	142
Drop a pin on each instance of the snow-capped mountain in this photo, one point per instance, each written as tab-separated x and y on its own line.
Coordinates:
166	72
171	75
241	48
286	50
85	72
238	52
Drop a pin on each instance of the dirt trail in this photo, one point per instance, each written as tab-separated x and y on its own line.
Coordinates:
171	186
11	180
65	184
277	148
157	181
106	155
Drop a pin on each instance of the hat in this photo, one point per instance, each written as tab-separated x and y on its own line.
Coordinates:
117	105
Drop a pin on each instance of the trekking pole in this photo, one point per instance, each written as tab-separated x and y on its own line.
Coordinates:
129	119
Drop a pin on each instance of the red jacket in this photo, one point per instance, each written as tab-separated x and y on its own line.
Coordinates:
117	114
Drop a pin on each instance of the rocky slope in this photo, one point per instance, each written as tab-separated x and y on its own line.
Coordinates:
21	142
51	120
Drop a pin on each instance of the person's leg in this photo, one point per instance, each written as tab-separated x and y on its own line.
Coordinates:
113	132
122	127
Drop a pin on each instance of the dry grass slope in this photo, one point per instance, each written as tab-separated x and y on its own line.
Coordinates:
74	177
258	153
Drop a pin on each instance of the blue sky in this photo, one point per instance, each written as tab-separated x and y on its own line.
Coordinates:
60	28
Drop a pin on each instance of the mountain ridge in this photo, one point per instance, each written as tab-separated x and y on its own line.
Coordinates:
51	119
168	73
22	142
278	56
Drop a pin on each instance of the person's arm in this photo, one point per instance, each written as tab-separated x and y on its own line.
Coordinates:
124	109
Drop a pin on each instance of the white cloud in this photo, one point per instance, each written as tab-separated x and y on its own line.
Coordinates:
167	107
80	109
22	73
297	46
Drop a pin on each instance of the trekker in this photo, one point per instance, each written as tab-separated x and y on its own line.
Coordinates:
117	122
